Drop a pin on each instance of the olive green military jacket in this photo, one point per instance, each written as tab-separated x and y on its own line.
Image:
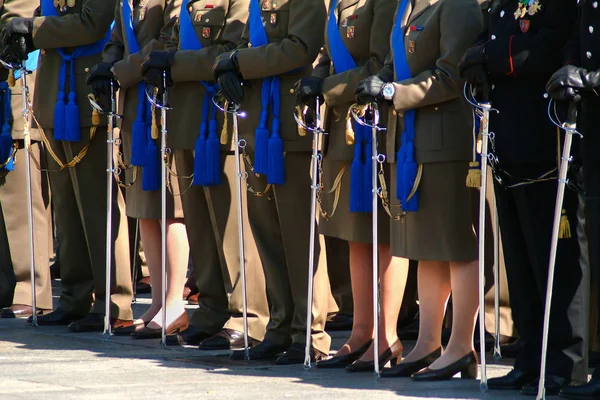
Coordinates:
295	30
85	23
218	25
153	22
443	31
365	27
9	10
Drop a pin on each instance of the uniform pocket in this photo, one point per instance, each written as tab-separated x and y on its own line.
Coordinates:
208	23
276	17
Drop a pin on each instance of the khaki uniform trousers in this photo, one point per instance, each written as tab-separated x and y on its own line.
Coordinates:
79	197
14	234
211	221
280	223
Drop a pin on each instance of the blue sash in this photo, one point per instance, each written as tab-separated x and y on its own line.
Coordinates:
407	168
360	170
6	142
268	147
144	151
207	161
66	116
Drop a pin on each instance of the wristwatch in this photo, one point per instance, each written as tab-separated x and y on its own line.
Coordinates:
388	90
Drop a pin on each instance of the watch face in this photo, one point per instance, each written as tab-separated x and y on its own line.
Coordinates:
388	91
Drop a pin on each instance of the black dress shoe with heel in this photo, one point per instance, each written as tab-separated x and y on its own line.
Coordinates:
405	370
467	366
554	384
589	391
345	360
514	380
393	354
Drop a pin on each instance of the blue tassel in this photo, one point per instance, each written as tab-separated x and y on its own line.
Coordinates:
276	173
357	185
138	143
261	151
213	156
151	172
368	180
72	125
200	178
60	114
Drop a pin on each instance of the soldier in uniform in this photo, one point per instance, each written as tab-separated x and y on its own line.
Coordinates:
581	78
13	204
517	55
150	29
206	29
71	35
272	57
356	47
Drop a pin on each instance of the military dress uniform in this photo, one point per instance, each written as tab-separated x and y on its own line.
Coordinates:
520	55
365	28
280	218
13	194
153	22
79	193
210	211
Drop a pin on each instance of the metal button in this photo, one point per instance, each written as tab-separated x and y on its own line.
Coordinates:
591	28
207	19
292	91
493	37
502	14
595	4
87	69
588	54
436	108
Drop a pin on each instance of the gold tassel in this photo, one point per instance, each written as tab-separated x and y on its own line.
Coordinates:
225	130
11	78
349	130
565	227
155	132
95	118
474	175
301	130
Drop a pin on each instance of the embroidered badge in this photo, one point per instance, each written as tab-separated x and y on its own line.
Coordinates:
198	16
350	32
344	22
206	33
273	19
524	24
142	14
526	7
266	5
412	46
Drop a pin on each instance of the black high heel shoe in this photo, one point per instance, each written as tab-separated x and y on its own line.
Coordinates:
393	354
467	366
405	370
344	361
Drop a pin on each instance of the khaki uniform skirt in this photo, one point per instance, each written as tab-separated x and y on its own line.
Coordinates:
444	227
346	225
144	204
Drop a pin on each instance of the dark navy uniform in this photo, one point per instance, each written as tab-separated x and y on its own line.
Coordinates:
520	49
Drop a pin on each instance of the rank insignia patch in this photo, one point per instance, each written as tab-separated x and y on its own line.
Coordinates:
412	46
206	33
350	32
524	24
198	16
273	19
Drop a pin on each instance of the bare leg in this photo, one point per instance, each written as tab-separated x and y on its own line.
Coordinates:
150	236
177	261
393	273
362	292
433	279
465	303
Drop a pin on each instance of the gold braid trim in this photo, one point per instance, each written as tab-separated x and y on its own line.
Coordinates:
384	194
12	156
336	189
169	157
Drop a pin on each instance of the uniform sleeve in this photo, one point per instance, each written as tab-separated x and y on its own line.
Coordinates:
339	88
115	48
534	52
73	30
298	49
128	70
443	82
10	9
196	65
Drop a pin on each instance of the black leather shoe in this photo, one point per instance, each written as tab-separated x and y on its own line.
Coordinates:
467	366
514	380
554	384
192	336
392	354
295	355
405	370
339	322
344	361
95	323
21	311
226	339
57	317
129	329
589	391
264	350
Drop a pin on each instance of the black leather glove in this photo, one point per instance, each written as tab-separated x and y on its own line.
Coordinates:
472	69
227	74
155	64
574	78
473	56
99	78
369	90
17	38
308	90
